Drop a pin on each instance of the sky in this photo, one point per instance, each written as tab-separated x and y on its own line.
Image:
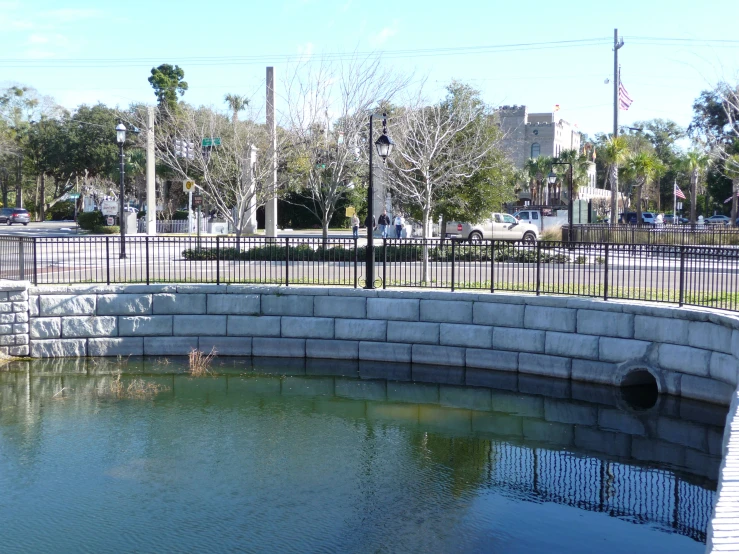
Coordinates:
85	51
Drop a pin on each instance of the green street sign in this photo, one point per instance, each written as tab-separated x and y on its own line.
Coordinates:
73	195
213	141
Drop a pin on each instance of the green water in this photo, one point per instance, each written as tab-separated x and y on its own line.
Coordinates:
284	456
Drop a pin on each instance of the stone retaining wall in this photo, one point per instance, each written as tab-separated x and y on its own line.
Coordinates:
690	352
14	318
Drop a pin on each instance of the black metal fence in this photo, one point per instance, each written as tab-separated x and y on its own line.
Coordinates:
703	235
692	275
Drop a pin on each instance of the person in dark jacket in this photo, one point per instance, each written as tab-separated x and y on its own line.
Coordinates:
370	220
384	221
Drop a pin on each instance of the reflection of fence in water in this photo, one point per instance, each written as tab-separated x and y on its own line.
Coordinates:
628	492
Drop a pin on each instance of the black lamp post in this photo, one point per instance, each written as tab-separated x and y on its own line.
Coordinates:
120	135
384	146
553	179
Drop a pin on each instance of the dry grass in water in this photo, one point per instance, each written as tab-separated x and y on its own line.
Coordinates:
200	362
138	388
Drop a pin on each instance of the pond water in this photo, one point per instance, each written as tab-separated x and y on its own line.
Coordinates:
320	456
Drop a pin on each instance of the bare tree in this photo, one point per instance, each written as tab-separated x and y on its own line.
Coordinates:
438	146
328	107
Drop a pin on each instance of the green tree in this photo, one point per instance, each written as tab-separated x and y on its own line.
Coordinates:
642	167
731	170
694	164
537	171
663	135
236	104
614	153
167	82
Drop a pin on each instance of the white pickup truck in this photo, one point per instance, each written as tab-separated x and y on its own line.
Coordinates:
500	226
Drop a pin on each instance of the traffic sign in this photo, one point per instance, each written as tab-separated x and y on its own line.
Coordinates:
350	211
73	195
110	220
197	200
109	207
213	141
188	185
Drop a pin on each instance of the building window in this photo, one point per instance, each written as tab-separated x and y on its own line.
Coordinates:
535	150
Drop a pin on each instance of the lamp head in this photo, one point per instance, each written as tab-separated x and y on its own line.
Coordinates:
384	146
552	178
120	133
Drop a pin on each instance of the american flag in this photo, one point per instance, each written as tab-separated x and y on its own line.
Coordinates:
677	192
624	100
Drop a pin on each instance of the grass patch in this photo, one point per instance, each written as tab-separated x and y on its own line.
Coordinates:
200	362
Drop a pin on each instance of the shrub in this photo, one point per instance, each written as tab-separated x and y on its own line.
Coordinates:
61	211
106	230
90	220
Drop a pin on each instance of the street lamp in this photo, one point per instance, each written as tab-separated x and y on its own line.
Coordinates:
120	137
384	146
553	179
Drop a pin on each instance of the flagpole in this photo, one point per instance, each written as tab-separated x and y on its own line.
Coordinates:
674	202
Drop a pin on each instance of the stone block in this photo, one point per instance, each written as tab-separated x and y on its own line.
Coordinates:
471	336
469	398
370	369
7	340
339	349
360	390
20	307
253	326
497	424
169	346
144	325
650	450
560	434
360	329
6	329
89	326
124	304
589	371
661	329
440	311
385	352
499	380
20	328
498	315
278	348
699	463
21	339
605	324
126	346
684	359
226	346
67	304
724	367
735	343
33	306
499	360
688	434
185	304
273	304
307	327
345	307
709	336
708	390
571	345
20	317
414	393
562	411
518	340
21	350
611	419
233	304
517	404
6	307
441	374
411	332
204	288
550	319
550	366
59	348
595	440
201	325
393	308
438	355
621	350
18	296
46	327
8	318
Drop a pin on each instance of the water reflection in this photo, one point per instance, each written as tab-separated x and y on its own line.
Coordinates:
297	455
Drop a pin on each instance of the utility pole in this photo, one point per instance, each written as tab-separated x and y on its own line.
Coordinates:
151	196
617	44
270	208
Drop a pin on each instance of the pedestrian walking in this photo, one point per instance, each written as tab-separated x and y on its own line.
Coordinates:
384	223
370	221
398	225
355	226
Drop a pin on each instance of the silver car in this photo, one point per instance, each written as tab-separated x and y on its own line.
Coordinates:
14	215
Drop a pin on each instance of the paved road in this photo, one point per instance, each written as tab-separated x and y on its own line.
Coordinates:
41	229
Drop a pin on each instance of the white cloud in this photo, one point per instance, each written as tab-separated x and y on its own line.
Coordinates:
385	33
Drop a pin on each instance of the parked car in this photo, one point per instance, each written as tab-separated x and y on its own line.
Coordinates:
15	215
718	220
677	220
500	226
647	218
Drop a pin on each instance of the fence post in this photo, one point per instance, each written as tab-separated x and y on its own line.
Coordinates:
492	266
287	261
605	278
21	261
107	259
355	262
538	267
453	256
146	242
682	275
218	260
384	262
35	265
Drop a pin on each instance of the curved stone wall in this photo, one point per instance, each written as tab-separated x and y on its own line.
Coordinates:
690	352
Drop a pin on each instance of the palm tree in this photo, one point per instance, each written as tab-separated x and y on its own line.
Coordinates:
694	163
579	168
538	169
236	104
643	166
731	170
614	152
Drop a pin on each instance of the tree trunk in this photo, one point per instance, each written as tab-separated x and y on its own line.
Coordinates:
18	190
324	229
426	269
638	204
734	190
42	203
613	180
693	196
